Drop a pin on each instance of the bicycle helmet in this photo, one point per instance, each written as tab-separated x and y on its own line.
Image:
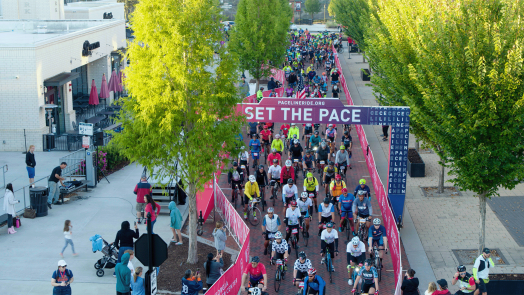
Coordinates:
260	166
293	124
278	235
261	88
290	181
255	291
338	177
461	268
308	151
368	262
342	147
376	221
277	136
254	135
252	178
329	225
303	195
323	73
346	133
295	137
344	190
275	160
293	203
296	141
312	271
331	163
270	210
330	125
361	192
362	181
323	143
309	174
273	150
316	132
302	255
355	241
235	164
288	163
326	200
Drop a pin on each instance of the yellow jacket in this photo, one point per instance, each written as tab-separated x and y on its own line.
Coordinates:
277	145
251	190
292	131
337	190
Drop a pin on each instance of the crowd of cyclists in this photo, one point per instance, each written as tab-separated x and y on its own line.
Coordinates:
319	155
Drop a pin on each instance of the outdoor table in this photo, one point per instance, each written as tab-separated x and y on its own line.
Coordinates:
95	119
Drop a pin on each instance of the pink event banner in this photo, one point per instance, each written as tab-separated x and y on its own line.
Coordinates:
253	97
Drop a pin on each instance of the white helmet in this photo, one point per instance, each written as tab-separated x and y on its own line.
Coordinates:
277	136
376	221
296	141
304	195
252	178
278	235
355	241
288	163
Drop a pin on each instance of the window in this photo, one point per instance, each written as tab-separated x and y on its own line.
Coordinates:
80	87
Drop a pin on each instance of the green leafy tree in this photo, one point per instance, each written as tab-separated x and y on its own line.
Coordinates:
260	35
464	71
354	16
312	7
182	102
129	7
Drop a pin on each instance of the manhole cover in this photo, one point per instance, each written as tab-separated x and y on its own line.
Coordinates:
449	191
468	256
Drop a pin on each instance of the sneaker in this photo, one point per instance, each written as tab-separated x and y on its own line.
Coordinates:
271	198
139	221
245	215
332	268
350	282
173	241
179	243
265	251
49	205
75	254
339	229
114	275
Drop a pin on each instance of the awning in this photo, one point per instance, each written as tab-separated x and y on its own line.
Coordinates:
61	79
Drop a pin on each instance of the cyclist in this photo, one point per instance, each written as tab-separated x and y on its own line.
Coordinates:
326	213
287	172
273	93
356	254
347	140
274	156
254	145
293	219
235	177
362	187
279	249
466	281
481	270
285	130
362	209
293	79
378	235
345	205
329	238
251	190
257	274
252	128
266	137
278	144
314	285
243	159
331	133
261	177
314	141
289	193
329	174
296	152
334	76
309	162
369	276
307	129
316	79
270	225
294	131
323	154
302	264
342	158
306	209
311	187
274	172
336	188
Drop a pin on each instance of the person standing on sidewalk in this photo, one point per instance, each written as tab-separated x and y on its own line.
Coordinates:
151	207
219	233
176	223
123	276
9	207
385	129
30	163
56	176
62	279
410	283
141	189
443	288
481	270
124	239
68	231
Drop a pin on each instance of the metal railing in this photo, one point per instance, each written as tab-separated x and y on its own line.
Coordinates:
25	194
68	142
76	164
4	170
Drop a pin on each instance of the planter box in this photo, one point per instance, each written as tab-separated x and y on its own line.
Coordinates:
365	75
505	287
416	169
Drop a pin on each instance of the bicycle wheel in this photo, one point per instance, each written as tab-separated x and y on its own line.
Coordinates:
262	195
234	201
379	267
328	266
295	246
304	235
277	280
252	218
348	229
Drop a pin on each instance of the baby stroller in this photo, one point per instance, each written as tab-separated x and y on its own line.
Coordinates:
109	260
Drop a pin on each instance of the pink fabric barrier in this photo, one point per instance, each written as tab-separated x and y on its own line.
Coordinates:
230	281
385	208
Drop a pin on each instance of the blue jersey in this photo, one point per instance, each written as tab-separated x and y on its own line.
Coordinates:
308	159
376	234
254	145
368	275
318	284
346	202
366	189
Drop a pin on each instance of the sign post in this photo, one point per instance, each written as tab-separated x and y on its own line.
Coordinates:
85	128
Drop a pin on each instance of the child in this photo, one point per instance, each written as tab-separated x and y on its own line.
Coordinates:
432	287
220	237
176	223
137	282
68	231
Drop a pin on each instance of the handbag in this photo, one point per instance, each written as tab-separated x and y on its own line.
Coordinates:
17	222
29	213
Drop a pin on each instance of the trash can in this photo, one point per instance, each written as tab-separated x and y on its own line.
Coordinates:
38	198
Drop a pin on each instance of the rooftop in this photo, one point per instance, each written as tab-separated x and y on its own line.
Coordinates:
31	33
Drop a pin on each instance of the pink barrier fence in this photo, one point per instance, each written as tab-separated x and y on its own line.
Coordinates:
230	281
385	208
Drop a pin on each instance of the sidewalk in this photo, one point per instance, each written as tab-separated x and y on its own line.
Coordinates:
430	231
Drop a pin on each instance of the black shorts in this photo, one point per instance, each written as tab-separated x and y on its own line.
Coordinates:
265	141
355	259
279	255
313	192
482	286
301	275
331	138
331	247
329	178
256	282
325	220
309	164
366	287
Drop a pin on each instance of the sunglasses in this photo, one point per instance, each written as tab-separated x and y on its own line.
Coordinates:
462	273
311	276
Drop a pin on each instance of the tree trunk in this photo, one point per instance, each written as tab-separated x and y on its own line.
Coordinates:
256	87
192	257
482	209
417	145
440	189
312	19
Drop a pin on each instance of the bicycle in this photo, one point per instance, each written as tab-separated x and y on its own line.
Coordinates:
305	233
296	164
266	147
329	264
234	196
362	229
271	237
279	274
294	240
252	210
262	189
274	190
378	262
255	290
346	226
340	49
342	171
300	286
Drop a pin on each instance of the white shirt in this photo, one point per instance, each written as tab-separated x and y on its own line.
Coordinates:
274	171
303	266
243	156
361	249
329	237
292	216
280	248
303	206
67	234
289	191
486	265
326	212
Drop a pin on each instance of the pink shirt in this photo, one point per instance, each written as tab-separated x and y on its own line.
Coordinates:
150	210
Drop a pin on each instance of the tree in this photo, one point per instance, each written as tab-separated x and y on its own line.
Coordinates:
182	102
260	35
312	7
129	7
465	71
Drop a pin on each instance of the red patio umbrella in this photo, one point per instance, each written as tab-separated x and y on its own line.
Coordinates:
93	96
120	76
104	89
113	82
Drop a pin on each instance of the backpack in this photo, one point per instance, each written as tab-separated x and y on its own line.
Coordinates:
235	175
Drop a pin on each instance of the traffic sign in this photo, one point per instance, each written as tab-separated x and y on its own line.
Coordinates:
85	142
153	282
159	250
85	128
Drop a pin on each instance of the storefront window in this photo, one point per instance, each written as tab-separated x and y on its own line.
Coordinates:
80	87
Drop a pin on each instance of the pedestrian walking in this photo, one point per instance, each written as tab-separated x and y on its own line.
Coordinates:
68	232
481	270
150	208
176	223
219	233
410	283
385	132
137	282
123	276
432	287
30	163
56	176
244	88
62	279
141	189
213	265
9	207
191	284
124	239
